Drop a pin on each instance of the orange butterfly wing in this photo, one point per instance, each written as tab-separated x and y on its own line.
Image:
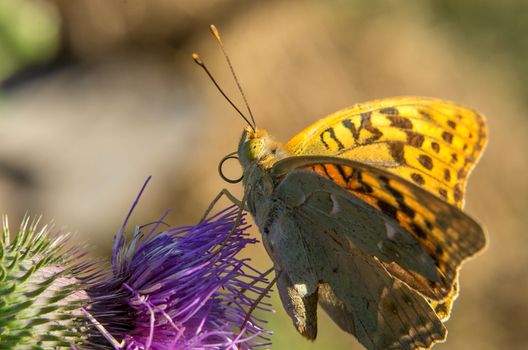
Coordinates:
430	142
448	235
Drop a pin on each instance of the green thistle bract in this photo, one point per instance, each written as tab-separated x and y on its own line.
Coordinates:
41	289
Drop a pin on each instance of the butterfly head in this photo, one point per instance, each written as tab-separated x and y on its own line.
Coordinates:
257	146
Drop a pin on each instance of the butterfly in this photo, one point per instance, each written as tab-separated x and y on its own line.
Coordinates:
361	213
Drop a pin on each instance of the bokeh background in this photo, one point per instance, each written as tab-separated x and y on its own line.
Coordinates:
96	95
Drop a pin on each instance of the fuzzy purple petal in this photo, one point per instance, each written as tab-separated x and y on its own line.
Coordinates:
182	288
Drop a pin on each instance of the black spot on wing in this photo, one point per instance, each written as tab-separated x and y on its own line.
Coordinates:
408	211
389	111
418	178
400	122
387	208
366	123
458	193
414	139
420	232
443	193
425	114
447	175
396	150
342	172
441	308
447	137
461	173
347	123
331	133
435	146
425	161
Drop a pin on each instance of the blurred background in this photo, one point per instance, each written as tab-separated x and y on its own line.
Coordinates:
96	95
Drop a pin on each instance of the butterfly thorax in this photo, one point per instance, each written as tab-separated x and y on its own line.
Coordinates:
258	152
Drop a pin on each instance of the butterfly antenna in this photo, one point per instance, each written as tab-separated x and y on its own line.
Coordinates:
199	62
216	34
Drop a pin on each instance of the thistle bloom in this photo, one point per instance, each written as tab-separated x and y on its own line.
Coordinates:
180	288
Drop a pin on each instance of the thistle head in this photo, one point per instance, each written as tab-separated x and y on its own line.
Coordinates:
180	288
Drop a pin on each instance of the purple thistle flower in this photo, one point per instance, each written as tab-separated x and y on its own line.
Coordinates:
181	288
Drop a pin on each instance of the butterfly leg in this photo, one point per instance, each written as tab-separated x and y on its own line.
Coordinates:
263	294
224	192
238	218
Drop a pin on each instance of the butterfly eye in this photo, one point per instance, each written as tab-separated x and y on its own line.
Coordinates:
253	149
